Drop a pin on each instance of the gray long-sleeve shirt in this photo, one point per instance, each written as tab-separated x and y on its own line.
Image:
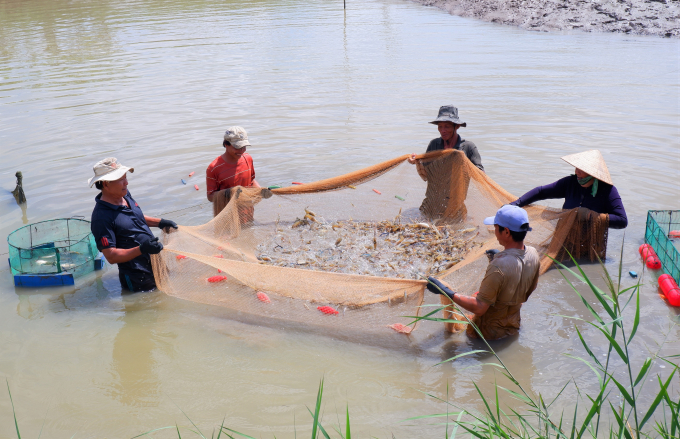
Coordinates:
469	148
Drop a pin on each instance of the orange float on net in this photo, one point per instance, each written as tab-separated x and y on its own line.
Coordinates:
196	186
670	289
377	191
191	174
262	297
674	234
180	257
402	329
327	310
214	279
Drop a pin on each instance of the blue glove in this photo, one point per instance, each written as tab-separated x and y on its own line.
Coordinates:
163	223
437	287
150	246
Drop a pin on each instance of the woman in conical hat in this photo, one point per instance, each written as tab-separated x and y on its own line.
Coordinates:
590	188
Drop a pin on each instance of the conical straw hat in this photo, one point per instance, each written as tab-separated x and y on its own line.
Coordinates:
592	163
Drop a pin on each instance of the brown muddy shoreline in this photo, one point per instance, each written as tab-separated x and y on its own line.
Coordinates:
635	17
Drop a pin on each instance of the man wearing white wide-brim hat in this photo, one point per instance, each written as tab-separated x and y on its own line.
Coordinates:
589	188
120	228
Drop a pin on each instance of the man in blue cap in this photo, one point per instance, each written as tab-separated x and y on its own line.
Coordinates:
511	277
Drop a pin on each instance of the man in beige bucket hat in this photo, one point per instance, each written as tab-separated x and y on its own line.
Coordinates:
121	230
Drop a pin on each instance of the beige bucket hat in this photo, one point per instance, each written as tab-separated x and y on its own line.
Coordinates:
592	163
108	170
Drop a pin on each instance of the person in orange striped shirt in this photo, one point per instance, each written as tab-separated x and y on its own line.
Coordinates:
234	167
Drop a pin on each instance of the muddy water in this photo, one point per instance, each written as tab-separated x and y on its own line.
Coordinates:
321	92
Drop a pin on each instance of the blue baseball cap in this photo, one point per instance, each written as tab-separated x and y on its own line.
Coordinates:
511	217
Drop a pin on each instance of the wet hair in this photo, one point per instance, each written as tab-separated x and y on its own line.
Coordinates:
99	185
516	236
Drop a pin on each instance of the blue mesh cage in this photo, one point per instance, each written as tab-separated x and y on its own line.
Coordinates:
56	246
659	225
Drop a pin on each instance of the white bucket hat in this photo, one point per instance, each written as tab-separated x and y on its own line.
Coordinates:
108	170
592	163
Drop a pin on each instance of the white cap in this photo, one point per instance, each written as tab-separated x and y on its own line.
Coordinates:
108	170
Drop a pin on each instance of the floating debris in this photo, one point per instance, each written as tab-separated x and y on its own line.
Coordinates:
351	186
196	186
18	191
191	174
262	297
377	191
297	182
184	182
400	198
327	310
215	279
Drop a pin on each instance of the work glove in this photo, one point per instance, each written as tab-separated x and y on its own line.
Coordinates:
151	246
266	193
491	253
433	283
166	224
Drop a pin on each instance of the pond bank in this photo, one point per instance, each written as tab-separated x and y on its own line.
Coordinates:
635	17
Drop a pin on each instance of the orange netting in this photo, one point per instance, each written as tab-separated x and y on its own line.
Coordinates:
357	245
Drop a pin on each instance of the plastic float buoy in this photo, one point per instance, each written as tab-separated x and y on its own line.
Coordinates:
670	289
214	279
650	257
674	234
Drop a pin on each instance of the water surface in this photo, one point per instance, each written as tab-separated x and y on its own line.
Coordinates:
321	92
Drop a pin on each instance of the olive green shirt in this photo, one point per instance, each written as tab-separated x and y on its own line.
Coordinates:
510	278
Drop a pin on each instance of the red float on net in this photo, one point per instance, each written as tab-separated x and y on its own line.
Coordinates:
670	289
649	256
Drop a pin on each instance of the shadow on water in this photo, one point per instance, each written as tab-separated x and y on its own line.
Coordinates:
90	292
134	380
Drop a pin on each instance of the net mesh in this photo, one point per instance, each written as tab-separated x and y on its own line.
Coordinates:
352	250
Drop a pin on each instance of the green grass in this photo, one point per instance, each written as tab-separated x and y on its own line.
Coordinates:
601	415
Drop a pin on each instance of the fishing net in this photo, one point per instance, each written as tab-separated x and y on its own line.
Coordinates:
351	251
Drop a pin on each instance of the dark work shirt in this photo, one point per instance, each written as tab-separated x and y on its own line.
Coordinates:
122	227
466	146
607	200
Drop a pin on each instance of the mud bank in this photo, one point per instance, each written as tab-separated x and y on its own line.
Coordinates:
637	17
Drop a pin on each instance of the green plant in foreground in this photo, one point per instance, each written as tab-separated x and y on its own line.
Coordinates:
629	418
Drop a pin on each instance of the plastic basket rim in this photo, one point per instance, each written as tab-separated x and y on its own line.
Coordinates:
45	221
